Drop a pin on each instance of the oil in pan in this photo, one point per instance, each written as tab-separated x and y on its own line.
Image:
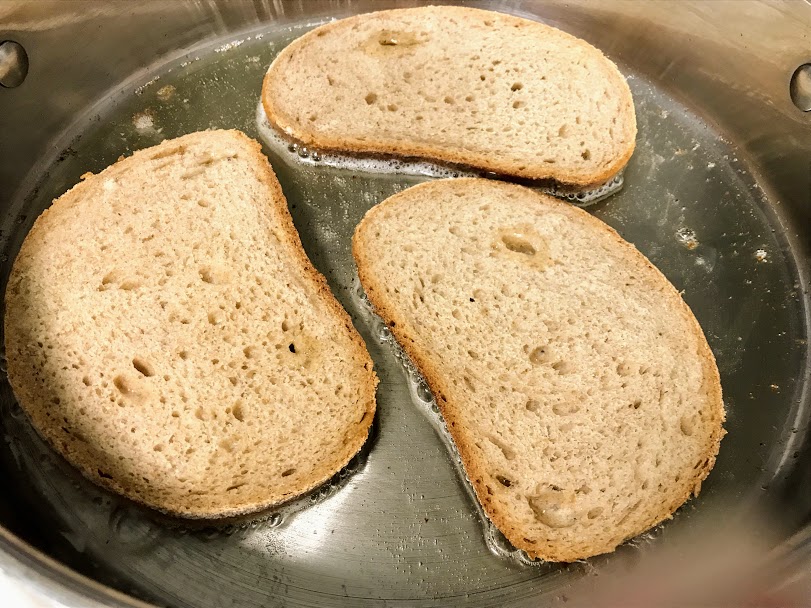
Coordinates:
402	528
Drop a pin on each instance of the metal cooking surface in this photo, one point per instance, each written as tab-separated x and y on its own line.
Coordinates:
402	526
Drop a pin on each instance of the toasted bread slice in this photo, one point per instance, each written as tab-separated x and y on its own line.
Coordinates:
459	85
575	382
166	333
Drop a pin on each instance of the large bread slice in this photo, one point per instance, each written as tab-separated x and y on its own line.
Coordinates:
459	85
167	334
575	382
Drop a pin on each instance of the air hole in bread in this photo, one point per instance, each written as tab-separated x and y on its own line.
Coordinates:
585	155
518	104
553	507
392	107
540	355
143	366
504	481
123	385
292	348
565	408
505	449
562	367
517	86
594	513
288	472
687	425
449	100
623	369
517	243
214	276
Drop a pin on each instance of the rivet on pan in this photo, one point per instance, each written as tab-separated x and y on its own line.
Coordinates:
800	87
13	64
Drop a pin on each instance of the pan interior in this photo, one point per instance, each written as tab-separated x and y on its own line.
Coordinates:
402	526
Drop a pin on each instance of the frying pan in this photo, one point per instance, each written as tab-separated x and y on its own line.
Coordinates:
717	195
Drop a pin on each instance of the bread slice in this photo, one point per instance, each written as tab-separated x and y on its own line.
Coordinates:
577	385
459	85
166	333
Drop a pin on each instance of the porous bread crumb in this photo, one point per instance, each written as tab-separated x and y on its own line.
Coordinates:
166	333
461	85
577	385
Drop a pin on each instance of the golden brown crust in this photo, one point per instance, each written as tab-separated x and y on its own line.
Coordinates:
484	162
82	456
432	371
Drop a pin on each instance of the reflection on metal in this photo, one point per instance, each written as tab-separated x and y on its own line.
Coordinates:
800	87
13	64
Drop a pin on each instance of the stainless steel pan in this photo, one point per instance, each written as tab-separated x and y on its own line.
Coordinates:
717	195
